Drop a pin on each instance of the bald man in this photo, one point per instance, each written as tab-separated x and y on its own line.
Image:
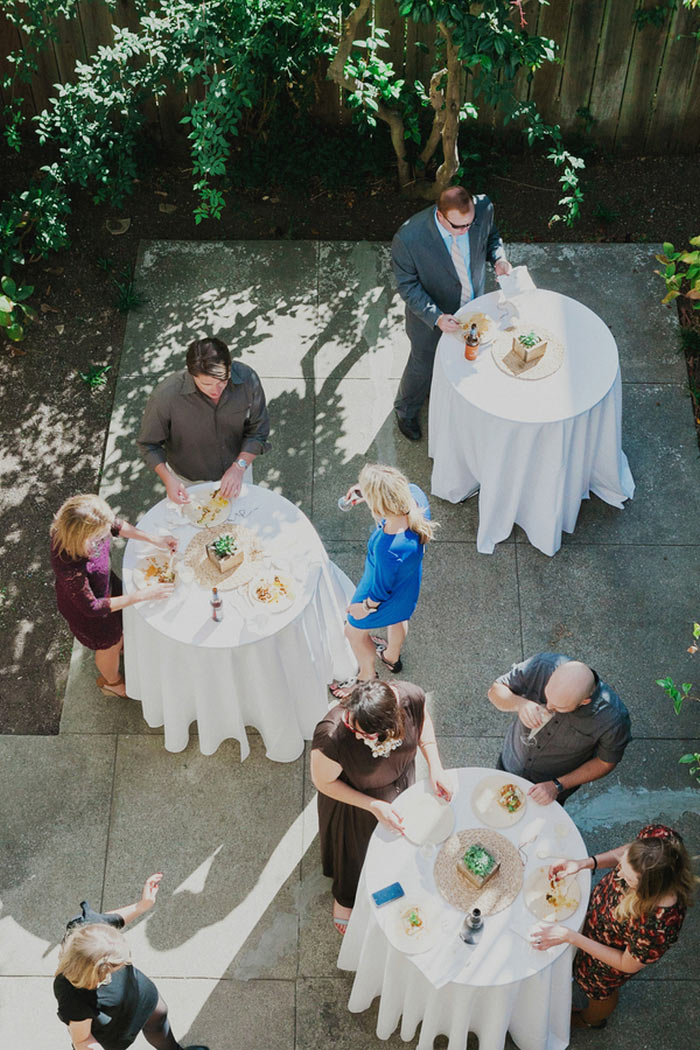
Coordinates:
570	728
439	260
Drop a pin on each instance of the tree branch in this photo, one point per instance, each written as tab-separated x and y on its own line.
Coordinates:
437	101
336	72
453	105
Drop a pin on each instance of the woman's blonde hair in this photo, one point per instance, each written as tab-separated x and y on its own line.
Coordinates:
664	869
386	491
79	520
89	954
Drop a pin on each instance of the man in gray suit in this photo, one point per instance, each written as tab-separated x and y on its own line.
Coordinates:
439	258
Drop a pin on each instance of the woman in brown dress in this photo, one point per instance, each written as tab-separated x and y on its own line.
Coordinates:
363	756
635	915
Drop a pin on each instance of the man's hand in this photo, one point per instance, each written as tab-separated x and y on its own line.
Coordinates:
543	793
530	714
230	487
502	268
177	493
448	323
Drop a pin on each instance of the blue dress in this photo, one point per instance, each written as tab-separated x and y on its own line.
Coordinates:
393	573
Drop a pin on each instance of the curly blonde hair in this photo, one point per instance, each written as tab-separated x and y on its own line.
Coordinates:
78	521
91	953
386	492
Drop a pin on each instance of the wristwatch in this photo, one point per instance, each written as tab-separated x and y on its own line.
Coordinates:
558	785
242	463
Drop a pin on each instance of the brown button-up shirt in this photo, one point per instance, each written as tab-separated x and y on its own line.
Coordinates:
198	438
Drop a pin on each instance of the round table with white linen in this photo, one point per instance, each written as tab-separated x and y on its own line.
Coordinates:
502	985
268	670
534	448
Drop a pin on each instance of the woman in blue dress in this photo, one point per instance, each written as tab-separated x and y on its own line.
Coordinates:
387	594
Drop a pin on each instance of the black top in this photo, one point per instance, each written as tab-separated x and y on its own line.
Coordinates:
119	1009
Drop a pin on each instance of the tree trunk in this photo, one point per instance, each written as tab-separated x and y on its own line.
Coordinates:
450	128
437	101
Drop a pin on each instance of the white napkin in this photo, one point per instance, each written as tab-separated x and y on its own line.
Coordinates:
531	831
444	963
516	282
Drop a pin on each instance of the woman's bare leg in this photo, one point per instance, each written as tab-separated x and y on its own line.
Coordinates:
107	661
396	636
363	648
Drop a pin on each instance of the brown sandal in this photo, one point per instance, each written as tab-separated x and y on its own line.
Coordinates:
107	688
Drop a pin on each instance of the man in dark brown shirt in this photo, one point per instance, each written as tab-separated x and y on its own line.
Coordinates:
207	423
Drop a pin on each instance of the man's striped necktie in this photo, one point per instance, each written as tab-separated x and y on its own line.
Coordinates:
461	268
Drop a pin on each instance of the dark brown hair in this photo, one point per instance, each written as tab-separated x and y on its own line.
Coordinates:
373	708
455	197
208	357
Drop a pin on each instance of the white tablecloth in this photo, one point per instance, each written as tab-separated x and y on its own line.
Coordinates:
505	985
538	447
266	670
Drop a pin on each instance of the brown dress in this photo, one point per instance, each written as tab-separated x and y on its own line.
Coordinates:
345	830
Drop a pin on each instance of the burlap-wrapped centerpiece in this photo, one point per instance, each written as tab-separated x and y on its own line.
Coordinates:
499	892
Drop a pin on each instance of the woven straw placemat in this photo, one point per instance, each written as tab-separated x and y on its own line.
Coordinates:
512	365
206	573
499	892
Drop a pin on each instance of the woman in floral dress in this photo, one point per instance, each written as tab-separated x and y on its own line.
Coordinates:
634	916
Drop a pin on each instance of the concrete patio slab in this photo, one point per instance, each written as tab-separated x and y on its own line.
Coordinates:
55	795
627	610
323	1018
260	297
86	711
228	837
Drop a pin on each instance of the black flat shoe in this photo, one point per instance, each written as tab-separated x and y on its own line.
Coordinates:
380	645
410	428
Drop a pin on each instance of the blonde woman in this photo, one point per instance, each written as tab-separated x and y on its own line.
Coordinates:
387	594
88	594
634	916
102	998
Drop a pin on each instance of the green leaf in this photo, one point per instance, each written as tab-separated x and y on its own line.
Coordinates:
9	287
16	333
687	759
668	248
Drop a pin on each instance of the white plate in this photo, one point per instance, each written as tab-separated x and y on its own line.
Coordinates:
195	508
424	939
281	604
426	820
535	891
486	806
138	574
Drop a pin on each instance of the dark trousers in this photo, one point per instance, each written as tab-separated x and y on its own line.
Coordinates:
561	797
417	375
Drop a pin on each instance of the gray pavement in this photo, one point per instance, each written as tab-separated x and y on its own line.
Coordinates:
241	942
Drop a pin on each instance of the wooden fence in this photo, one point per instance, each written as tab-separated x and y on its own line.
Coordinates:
640	87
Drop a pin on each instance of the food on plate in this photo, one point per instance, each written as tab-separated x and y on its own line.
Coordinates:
556	896
158	569
529	346
272	590
209	511
225	553
482	321
412	921
477	865
510	798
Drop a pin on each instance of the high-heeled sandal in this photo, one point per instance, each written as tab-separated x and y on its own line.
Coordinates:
107	688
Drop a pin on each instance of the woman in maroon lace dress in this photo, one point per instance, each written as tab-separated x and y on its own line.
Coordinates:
635	915
88	594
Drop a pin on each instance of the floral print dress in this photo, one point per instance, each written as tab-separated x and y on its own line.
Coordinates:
646	938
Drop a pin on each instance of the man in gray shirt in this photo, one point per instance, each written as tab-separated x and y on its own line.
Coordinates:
207	423
570	728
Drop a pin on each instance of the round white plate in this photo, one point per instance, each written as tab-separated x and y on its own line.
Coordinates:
486	806
141	582
283	603
422	940
536	888
194	509
427	821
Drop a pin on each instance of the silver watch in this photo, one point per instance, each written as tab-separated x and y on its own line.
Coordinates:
242	463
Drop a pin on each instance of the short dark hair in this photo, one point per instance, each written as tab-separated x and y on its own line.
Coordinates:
374	709
455	197
208	357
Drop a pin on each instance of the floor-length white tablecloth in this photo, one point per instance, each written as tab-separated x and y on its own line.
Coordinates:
265	670
509	987
535	448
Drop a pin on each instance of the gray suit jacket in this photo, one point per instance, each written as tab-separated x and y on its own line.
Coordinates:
424	271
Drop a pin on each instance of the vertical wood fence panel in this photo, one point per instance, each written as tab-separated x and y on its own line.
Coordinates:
641	85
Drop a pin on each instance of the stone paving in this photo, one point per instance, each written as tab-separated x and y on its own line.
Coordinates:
240	941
